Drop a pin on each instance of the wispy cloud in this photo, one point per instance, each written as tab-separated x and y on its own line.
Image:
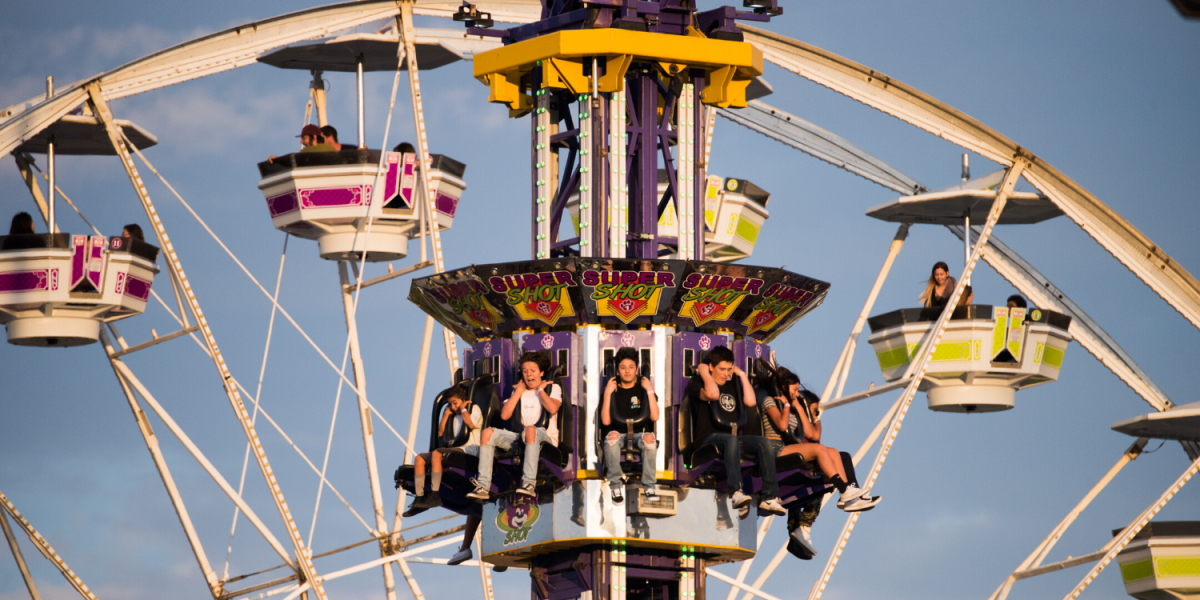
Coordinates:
87	50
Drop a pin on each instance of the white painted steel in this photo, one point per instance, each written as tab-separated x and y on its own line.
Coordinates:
262	373
618	194
44	547
368	429
303	555
1118	543
587	164
744	569
125	374
408	35
685	171
51	223
1150	263
741	586
820	143
842	367
400	556
160	462
1039	553
20	558
545	175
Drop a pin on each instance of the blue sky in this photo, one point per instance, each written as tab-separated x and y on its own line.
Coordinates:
1102	90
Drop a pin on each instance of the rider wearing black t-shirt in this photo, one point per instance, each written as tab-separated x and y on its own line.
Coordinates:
715	383
631	397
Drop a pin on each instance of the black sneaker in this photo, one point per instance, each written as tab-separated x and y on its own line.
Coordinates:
422	504
618	496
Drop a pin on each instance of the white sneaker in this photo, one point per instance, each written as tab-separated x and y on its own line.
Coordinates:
527	489
852	492
743	512
860	504
740	500
802	536
651	493
773	506
460	557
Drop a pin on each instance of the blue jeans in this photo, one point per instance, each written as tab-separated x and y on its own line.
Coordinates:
731	450
612	460
504	440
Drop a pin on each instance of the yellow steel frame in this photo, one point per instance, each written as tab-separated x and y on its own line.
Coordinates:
728	66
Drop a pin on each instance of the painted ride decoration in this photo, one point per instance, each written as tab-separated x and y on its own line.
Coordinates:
56	290
324	196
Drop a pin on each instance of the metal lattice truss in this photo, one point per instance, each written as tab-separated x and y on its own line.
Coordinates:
240	46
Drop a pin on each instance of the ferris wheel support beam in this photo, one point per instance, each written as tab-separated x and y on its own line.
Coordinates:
34	188
303	555
1119	542
368	429
125	374
44	547
1137	252
842	368
20	558
164	472
408	36
916	371
1034	560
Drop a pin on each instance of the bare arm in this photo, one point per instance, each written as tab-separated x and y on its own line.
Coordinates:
779	417
651	398
550	403
747	392
510	405
466	415
605	418
445	419
811	432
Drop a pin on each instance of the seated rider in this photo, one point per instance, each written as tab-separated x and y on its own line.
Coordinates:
714	383
537	399
940	286
133	231
464	414
1017	301
626	397
799	411
22	225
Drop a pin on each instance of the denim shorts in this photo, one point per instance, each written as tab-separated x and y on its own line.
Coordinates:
776	446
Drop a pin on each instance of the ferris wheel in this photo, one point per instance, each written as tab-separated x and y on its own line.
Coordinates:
367	204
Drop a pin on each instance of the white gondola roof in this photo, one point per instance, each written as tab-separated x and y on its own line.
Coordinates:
435	48
1180	423
975	197
84	135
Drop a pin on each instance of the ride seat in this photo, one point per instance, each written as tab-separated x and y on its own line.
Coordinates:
630	452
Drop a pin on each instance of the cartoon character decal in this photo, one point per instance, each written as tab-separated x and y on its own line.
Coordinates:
516	518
